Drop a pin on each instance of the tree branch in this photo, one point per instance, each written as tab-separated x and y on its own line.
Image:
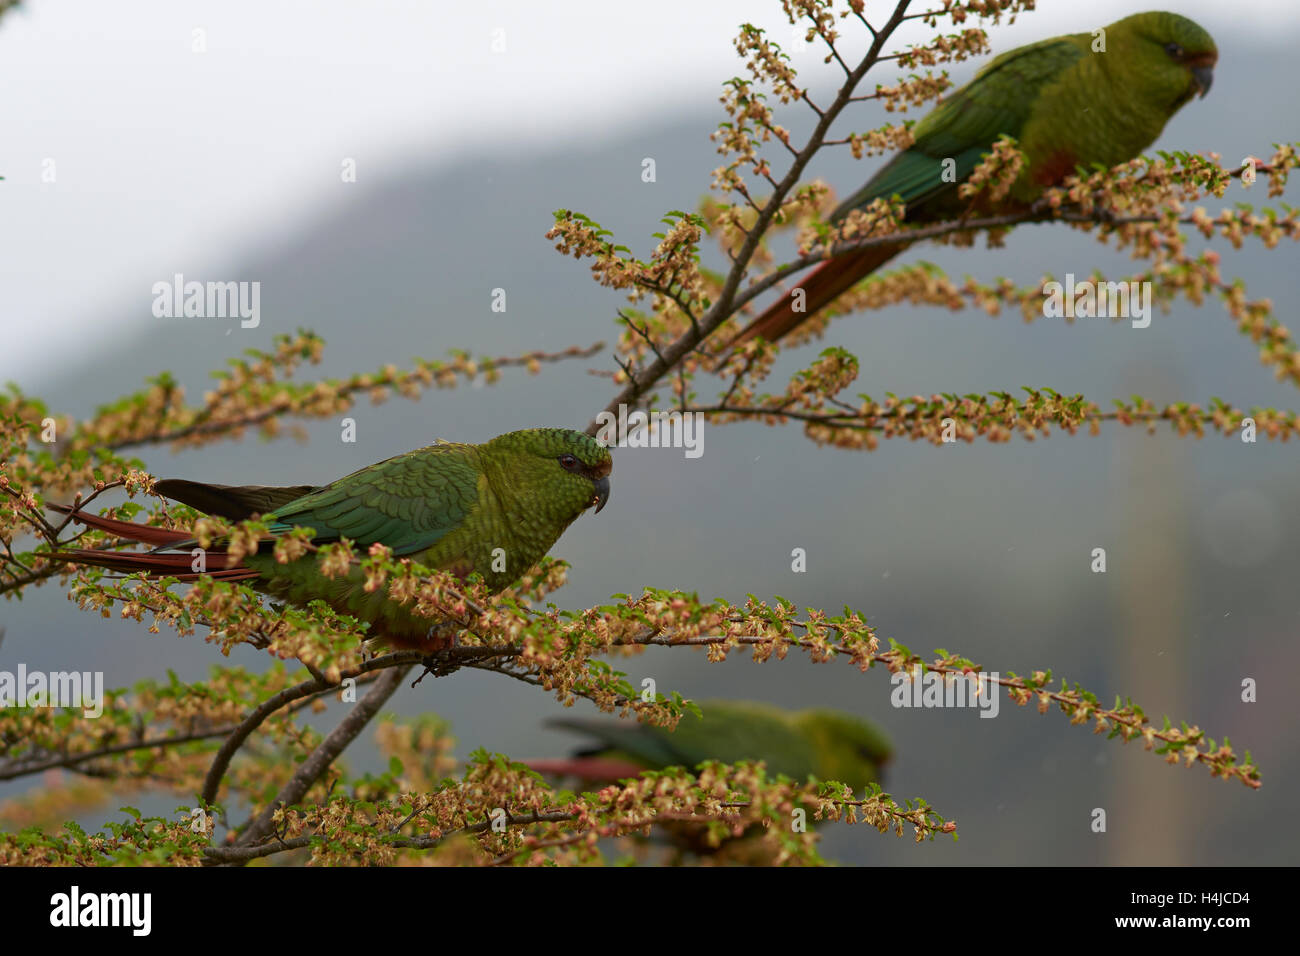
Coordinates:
724	305
325	754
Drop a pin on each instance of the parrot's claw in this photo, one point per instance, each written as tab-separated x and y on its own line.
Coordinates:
440	641
438	664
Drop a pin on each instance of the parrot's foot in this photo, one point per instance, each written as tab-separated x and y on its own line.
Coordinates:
439	664
440	640
437	640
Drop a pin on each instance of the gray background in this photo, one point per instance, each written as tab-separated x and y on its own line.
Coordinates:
981	549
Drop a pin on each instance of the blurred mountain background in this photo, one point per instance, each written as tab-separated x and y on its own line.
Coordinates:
983	550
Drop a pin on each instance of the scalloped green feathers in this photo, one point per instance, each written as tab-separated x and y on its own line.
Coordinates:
822	743
495	509
1079	100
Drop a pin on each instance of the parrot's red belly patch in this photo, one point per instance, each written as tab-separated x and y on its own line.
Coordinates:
1053	170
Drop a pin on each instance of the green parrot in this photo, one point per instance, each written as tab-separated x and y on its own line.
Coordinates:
825	744
494	508
1066	103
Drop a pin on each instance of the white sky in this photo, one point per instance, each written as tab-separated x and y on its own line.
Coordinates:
167	159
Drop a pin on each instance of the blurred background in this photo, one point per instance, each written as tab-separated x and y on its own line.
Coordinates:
130	155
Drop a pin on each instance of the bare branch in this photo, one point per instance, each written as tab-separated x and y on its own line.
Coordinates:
725	303
325	754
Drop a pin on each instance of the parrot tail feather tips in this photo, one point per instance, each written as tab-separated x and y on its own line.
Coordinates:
494	509
1127	86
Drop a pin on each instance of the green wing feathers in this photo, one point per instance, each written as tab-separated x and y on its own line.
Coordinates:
408	503
234	502
820	743
999	101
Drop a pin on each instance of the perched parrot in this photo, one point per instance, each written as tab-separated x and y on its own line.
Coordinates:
1066	105
494	508
826	744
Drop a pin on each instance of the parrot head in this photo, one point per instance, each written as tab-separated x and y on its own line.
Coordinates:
846	748
572	468
1177	56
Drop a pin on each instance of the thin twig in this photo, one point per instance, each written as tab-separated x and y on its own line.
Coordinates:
323	756
725	304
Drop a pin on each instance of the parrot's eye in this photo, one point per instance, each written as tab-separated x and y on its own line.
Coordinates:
568	463
1174	50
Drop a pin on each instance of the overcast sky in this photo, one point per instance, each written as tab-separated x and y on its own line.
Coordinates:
166	159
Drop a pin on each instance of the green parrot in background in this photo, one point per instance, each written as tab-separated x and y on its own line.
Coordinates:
1065	104
825	744
494	508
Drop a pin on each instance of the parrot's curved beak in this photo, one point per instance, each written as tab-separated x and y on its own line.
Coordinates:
602	493
1203	77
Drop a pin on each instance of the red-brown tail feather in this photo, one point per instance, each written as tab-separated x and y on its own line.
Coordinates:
820	288
178	565
145	534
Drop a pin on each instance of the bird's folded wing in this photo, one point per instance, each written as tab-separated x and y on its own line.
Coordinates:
236	502
408	502
964	127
